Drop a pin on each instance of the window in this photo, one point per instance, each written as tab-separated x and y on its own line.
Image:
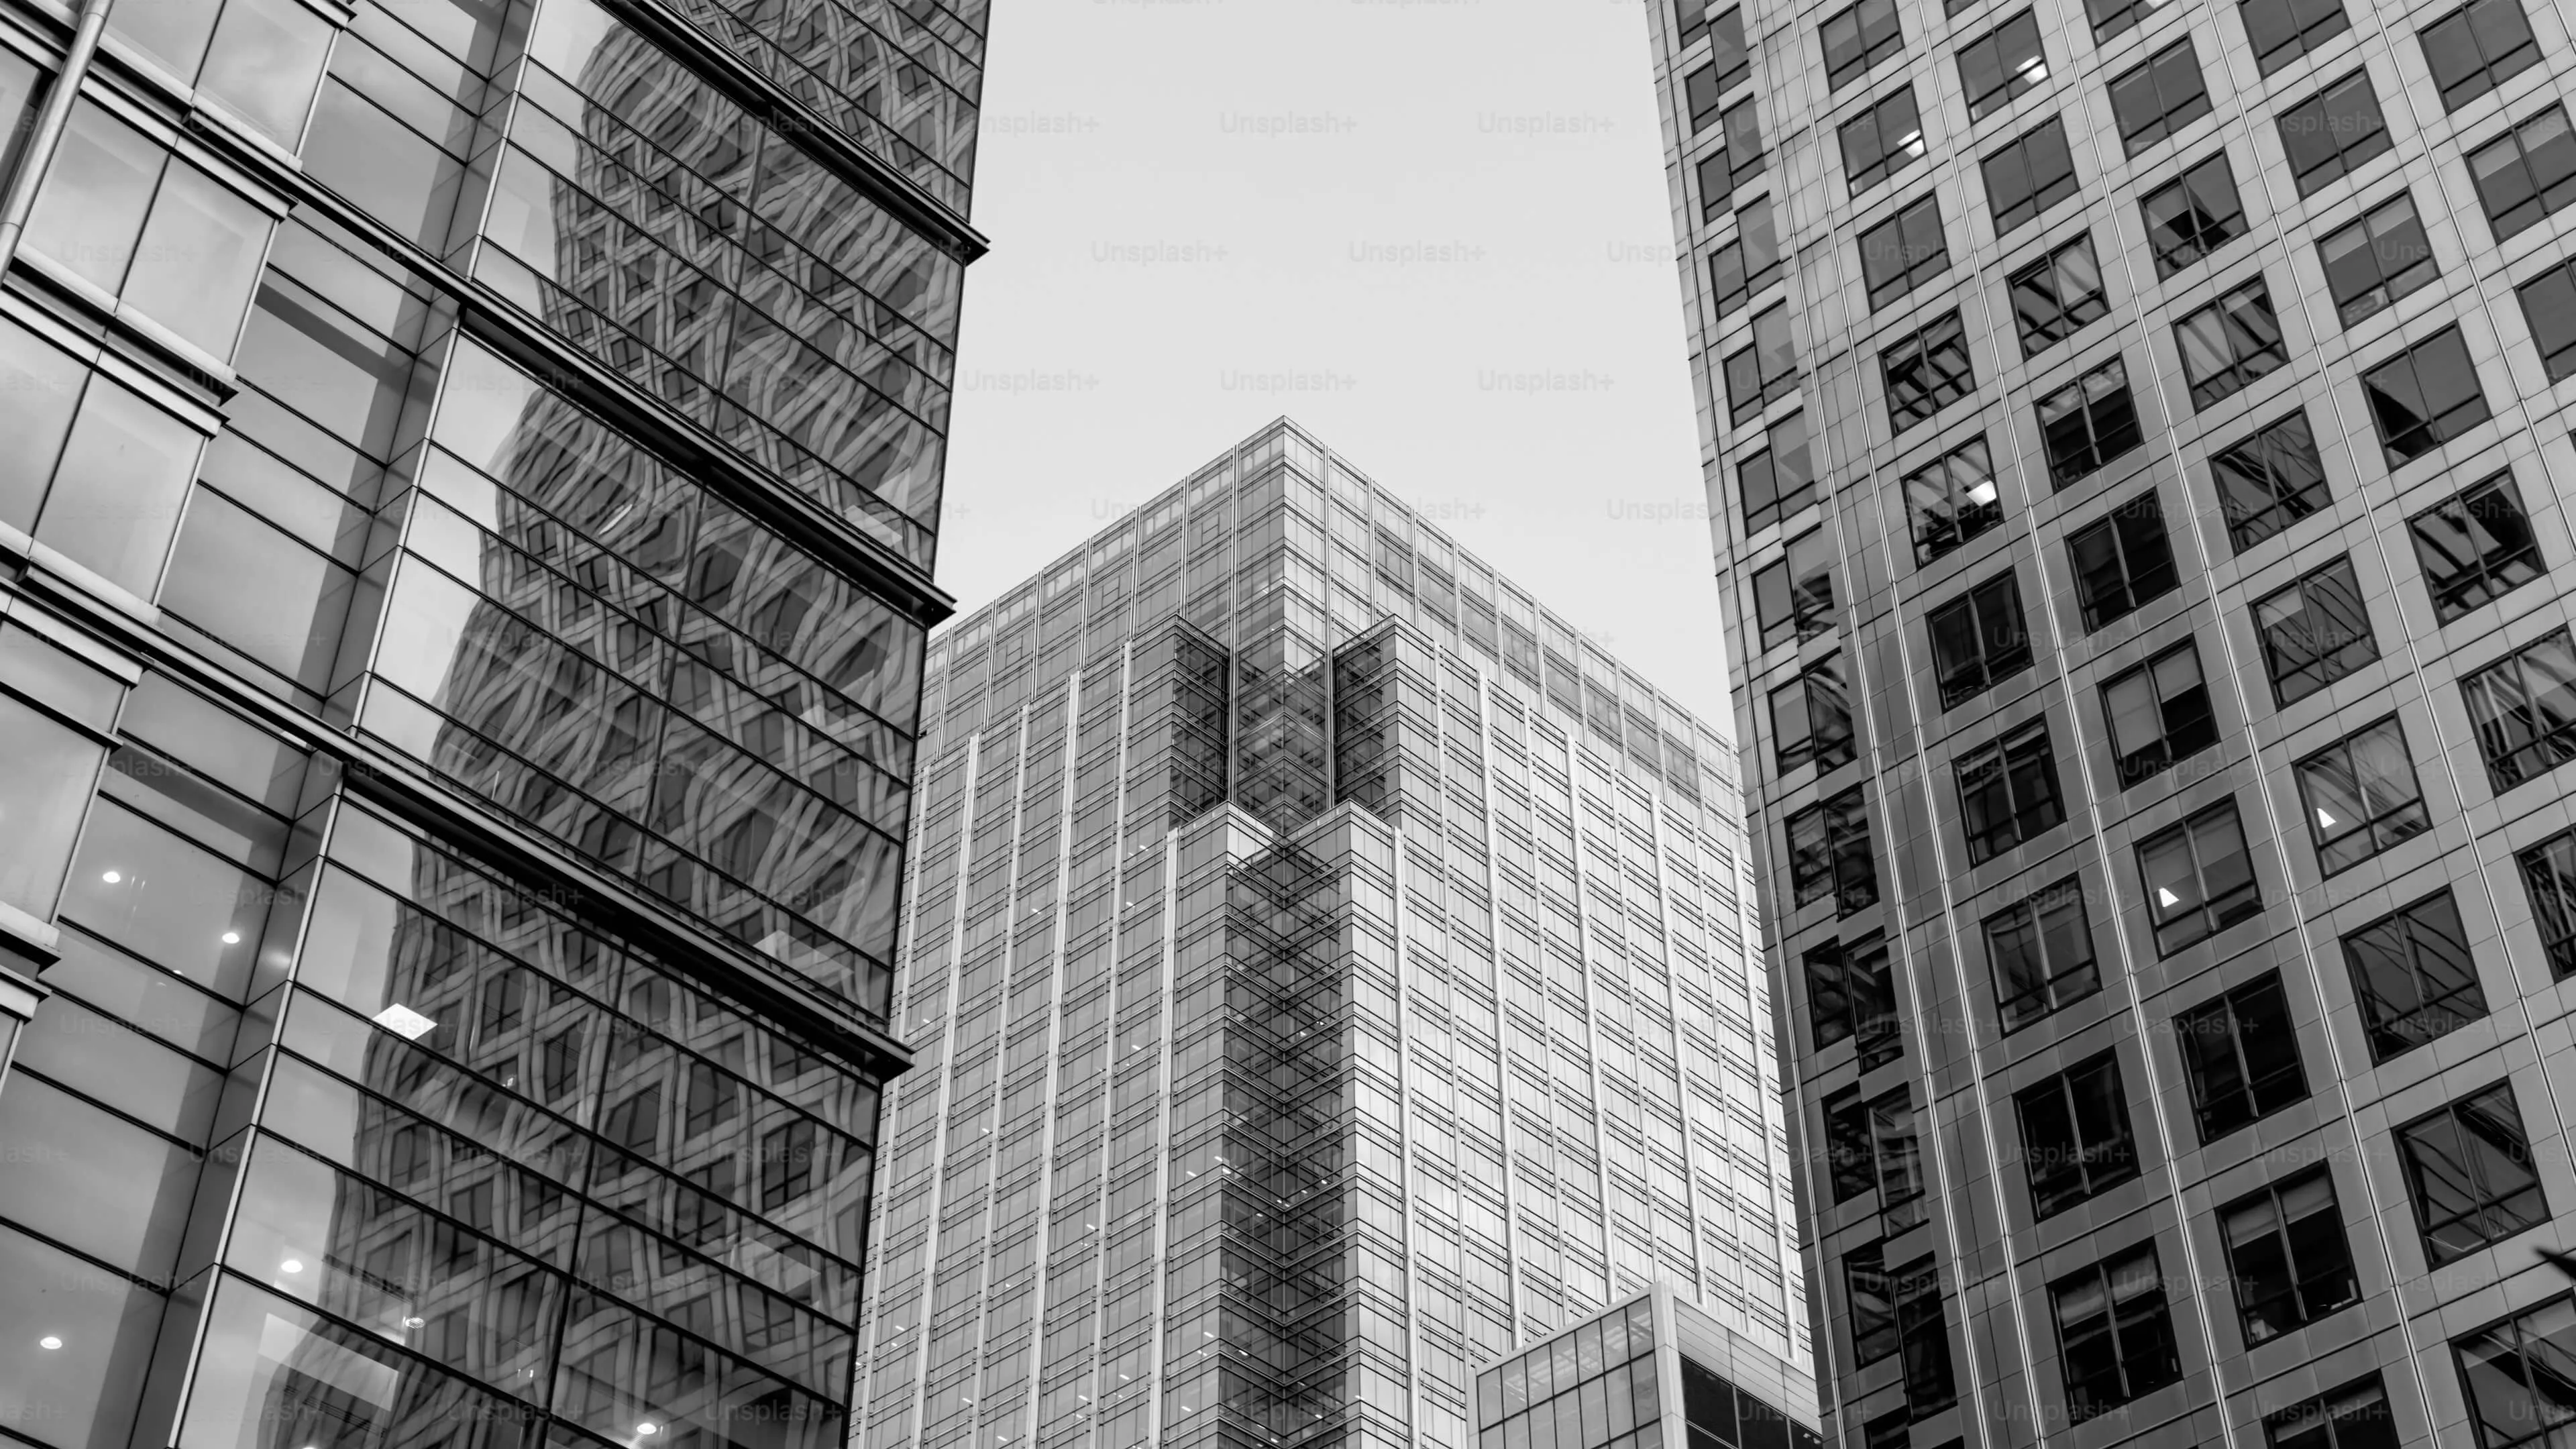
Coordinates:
2514	1375
1763	371
168	239
2476	48
1728	55
1997	67
2287	1253
2475	546
2376	259
259	59
1850	994
127	463
2330	134
2526	173
2242	1057
2193	215
1811	720
2468	1168
1749	263
2159	96
2158	713
2355	1416
1737	159
2230	343
1952	499
1979	639
1873	1306
1701	90
43	796
1923	1337
2285	30
2412	975
2314	632
2361	796
1779	480
2008	792
1903	251
2269	481
1881	141
2075	1138
1690	22
2114	1335
2111	17
2089	422
1870	1147
2058	296
2549	879
1795	597
2549	309
1858	37
2029	175
2198	877
2122	561
2523	708
1829	854
1926	373
2041	947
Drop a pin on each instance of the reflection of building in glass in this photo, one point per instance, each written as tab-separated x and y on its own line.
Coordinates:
1644	1375
2136	446
460	660
1333	971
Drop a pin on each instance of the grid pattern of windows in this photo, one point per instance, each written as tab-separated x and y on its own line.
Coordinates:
2159	96
1952	499
2361	796
2230	343
2527	173
1904	251
2287	1251
1997	67
2194	214
1764	370
2476	48
2030	174
2158	714
2284	30
2470	1174
2475	546
2089	422
2270	480
1593	1387
1857	37
1979	639
2075	1135
2314	632
2115	1334
2198	877
2377	258
1926	372
2041	948
2008	792
2241	1055
2330	134
2058	296
2523	708
2122	560
1881	141
2412	975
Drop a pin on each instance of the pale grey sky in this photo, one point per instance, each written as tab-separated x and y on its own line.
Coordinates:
1434	231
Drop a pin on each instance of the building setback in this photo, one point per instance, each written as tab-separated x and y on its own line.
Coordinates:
1327	972
469	480
2136	445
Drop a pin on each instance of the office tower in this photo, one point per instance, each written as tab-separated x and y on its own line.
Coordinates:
1641	1375
469	480
2135	452
1326	970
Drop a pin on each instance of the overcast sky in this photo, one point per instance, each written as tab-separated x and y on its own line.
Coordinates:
1433	231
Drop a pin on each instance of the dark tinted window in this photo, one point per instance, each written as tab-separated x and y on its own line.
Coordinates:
2193	215
2199	879
2424	397
2523	710
2001	64
2159	96
2476	47
1881	141
2470	1174
2284	30
2230	343
2158	713
2334	131
2008	792
2030	174
2526	173
2361	795
1926	373
2089	422
1795	597
2475	546
2075	1135
2269	481
2122	560
2314	632
2287	1254
2041	948
2241	1056
1858	37
2377	258
2114	1333
1811	720
1902	252
1781	478
1979	638
1952	499
2412	976
2058	296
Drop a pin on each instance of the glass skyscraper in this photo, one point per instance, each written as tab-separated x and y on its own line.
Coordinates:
1327	971
469	481
2137	445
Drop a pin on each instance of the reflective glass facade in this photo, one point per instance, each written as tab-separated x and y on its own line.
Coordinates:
2205	639
1328	971
1648	1374
469	483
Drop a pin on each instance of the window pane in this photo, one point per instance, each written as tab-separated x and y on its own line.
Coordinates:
95	196
132	462
266	60
172	32
199	258
40	388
